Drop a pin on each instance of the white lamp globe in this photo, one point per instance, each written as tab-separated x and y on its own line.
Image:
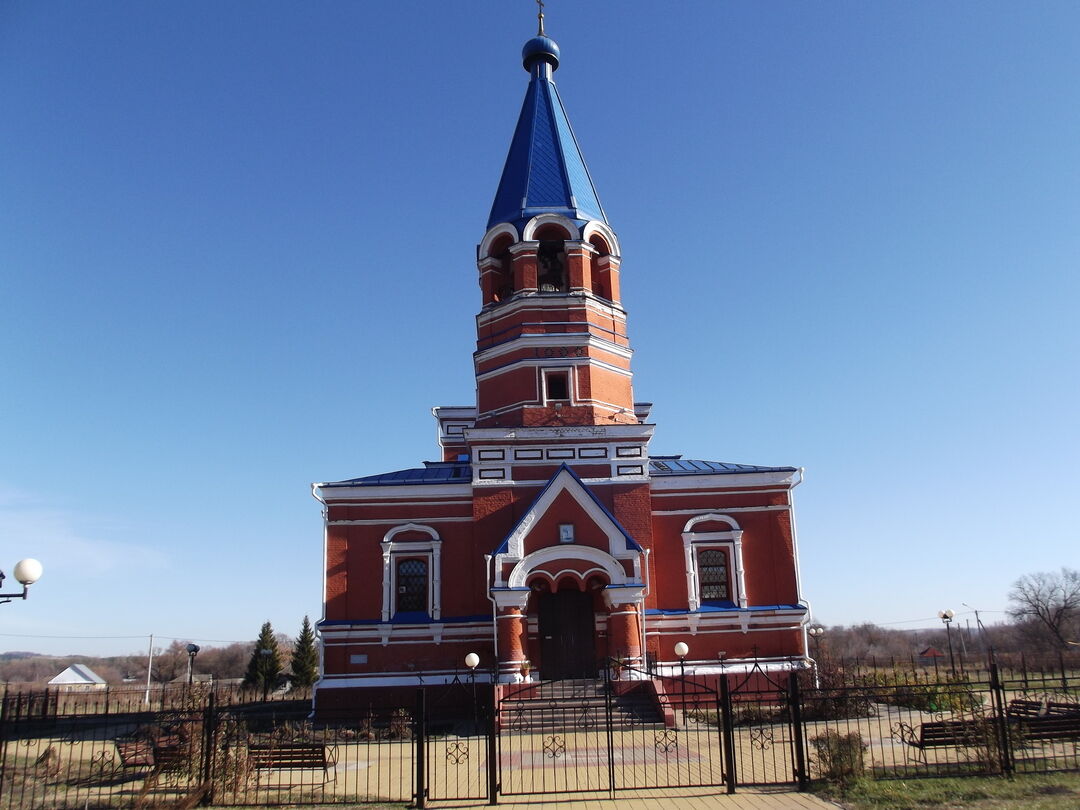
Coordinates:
681	649
472	660
27	571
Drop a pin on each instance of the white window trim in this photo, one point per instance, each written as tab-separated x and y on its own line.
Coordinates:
570	383
729	541
429	550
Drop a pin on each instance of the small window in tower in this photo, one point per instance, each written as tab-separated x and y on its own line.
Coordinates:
557	385
713	575
412	586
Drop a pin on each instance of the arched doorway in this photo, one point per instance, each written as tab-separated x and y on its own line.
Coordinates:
566	624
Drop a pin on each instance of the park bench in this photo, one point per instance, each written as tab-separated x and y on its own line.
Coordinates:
1051	727
170	753
291	756
135	752
941	734
1024	707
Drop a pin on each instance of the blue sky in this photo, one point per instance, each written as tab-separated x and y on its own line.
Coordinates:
237	256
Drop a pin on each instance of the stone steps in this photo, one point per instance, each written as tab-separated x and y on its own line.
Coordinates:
577	704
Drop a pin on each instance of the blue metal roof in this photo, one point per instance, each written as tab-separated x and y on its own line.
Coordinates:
454	472
665	465
544	171
435	472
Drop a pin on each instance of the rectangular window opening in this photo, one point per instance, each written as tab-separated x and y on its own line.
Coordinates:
557	385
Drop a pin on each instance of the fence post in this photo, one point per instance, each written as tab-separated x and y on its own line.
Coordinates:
5	710
997	694
209	746
419	726
795	702
728	732
492	750
609	719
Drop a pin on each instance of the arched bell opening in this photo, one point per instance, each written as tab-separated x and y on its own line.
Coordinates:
551	268
502	285
601	280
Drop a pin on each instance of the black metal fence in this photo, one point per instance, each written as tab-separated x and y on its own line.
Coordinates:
627	729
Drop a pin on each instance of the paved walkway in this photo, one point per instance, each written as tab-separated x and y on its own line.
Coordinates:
670	799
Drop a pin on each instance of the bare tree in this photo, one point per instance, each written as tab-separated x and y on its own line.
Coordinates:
1052	599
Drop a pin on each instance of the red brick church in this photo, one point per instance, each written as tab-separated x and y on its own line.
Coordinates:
549	538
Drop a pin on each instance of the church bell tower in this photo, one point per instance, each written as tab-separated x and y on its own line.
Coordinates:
552	347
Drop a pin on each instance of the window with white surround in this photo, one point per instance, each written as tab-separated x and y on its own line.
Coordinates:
557	385
714	570
411	572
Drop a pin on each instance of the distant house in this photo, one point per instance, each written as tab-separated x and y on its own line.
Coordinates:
78	677
929	656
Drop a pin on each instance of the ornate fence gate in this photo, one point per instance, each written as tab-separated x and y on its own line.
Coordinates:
765	729
457	742
624	730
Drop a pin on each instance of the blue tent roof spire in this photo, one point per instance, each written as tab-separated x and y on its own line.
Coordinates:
544	171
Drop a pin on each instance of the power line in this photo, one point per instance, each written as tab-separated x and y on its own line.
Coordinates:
145	635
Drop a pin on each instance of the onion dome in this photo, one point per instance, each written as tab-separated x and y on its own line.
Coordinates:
540	48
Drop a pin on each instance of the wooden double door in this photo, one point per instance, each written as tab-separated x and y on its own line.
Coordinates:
567	628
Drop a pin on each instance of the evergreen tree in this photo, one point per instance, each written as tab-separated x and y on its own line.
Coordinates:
305	658
265	664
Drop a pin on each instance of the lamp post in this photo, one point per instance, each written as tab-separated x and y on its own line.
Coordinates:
815	633
472	661
946	617
682	650
192	651
27	572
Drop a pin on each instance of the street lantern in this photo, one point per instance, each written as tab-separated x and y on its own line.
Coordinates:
192	651
946	617
815	633
682	651
27	572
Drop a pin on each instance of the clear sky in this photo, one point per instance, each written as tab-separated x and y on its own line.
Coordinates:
237	256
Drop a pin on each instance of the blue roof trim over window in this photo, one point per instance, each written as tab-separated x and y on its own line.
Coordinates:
721	609
407	618
544	170
433	473
665	465
630	541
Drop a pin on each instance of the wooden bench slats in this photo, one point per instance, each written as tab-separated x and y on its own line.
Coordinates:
1051	727
135	753
293	756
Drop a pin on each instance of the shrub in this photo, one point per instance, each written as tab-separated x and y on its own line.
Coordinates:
840	756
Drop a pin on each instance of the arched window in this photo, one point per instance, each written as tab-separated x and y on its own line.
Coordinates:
412	586
601	282
714	563
411	578
713	575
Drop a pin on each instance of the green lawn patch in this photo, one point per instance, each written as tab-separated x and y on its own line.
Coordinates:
1033	792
